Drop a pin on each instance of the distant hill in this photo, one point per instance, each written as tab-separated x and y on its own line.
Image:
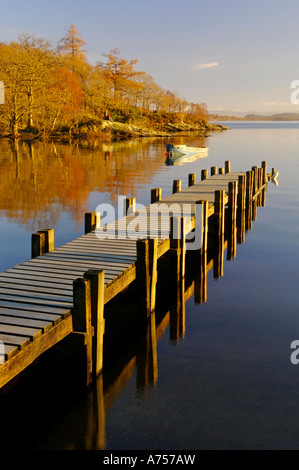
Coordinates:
273	117
256	117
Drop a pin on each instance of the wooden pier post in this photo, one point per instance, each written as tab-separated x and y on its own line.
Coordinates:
191	179
156	195
49	239
146	275
264	167
38	243
227	166
221	171
220	213
178	315
130	205
241	208
232	215
200	282
204	175
42	242
146	359
176	186
255	180
178	245
97	285
213	170
248	210
92	221
82	320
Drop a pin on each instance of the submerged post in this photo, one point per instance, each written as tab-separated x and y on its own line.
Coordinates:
220	212
97	285
241	208
200	282
82	320
178	245
146	275
232	214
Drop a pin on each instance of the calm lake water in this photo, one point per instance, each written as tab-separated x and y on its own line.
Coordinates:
228	382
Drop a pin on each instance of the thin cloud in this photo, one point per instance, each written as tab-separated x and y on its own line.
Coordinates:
207	65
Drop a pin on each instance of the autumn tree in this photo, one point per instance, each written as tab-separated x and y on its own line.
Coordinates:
66	98
12	74
70	47
121	75
39	61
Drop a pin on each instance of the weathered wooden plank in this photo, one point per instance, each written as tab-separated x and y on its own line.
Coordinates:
48	274
15	340
111	258
36	295
18	330
35	281
9	351
73	264
12	320
33	288
49	318
31	351
63	312
33	300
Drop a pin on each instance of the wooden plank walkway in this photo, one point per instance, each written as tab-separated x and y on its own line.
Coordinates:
37	297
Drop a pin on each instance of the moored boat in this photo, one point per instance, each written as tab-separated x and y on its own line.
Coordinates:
179	154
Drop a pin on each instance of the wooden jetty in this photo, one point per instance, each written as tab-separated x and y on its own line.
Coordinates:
63	291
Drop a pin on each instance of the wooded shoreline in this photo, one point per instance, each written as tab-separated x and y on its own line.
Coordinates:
109	131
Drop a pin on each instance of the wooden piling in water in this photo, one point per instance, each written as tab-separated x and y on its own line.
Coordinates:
156	195
191	179
221	171
176	186
92	221
97	284
178	246
213	170
220	213
200	282
248	210
130	205
146	275
42	242
82	321
38	243
227	166
232	218
204	175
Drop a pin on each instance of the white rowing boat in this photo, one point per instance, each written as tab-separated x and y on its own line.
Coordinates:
179	154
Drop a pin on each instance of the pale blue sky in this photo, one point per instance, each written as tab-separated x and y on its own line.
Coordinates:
231	54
